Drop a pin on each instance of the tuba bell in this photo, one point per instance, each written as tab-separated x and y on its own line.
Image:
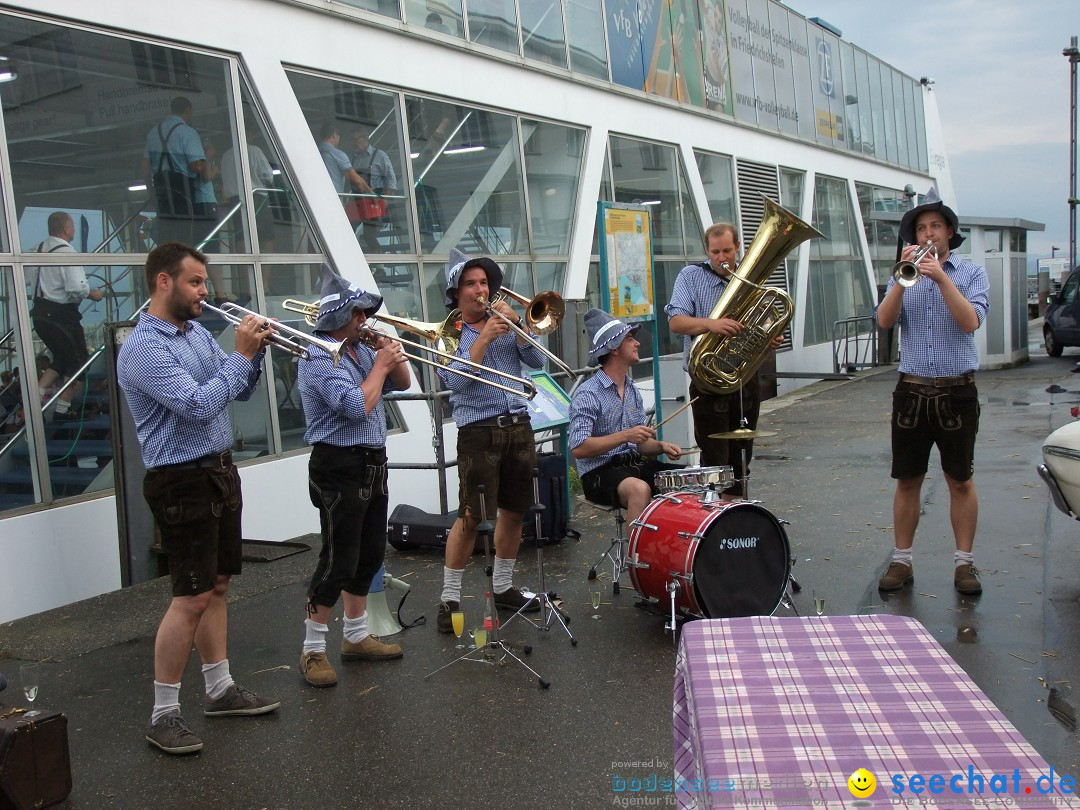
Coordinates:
721	364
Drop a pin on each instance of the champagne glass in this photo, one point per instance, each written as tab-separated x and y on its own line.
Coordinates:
29	675
457	618
480	637
819	603
594	595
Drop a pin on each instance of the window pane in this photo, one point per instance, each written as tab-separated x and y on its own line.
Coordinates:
645	174
71	380
388	8
280	223
16	475
447	20
542	31
494	23
467	173
358	130
553	155
880	236
88	109
718	178
791	198
838	287
588	50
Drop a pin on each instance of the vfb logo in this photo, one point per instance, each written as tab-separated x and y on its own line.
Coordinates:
825	69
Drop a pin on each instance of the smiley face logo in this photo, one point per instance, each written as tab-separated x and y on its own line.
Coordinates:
862	784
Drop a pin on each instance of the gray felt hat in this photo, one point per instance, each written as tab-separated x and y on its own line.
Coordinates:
605	332
931	202
459	263
339	299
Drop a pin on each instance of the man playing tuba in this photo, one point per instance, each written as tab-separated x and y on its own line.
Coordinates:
697	289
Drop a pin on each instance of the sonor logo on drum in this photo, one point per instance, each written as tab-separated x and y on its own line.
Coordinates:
739	542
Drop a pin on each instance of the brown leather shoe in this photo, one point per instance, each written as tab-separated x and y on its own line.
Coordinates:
316	669
896	576
370	648
966	579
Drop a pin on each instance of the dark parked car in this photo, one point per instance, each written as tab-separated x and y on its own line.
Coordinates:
1062	325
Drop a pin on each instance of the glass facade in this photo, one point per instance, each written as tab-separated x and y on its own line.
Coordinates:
754	59
139	141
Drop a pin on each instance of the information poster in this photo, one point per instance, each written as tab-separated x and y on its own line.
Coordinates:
628	255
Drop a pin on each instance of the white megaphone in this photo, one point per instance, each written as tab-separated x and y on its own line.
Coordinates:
381	622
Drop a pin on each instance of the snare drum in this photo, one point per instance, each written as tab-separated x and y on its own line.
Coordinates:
729	558
694	478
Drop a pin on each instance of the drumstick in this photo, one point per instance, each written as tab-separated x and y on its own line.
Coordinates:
683	408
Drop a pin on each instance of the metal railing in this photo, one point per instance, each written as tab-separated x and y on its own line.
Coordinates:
854	343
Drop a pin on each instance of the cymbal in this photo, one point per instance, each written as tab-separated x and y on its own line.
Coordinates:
743	433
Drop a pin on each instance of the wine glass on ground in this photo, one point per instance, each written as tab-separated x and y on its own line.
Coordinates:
819	603
457	618
594	595
29	676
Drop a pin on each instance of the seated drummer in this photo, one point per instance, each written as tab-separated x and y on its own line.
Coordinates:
608	436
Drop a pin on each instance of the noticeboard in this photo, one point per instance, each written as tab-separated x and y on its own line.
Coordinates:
627	256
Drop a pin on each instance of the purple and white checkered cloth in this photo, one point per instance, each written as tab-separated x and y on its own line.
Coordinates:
779	712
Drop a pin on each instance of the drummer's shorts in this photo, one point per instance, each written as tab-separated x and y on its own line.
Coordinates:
601	485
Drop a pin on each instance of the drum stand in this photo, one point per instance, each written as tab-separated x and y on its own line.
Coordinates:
549	613
496	650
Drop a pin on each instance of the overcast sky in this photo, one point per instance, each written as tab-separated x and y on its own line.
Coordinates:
1002	88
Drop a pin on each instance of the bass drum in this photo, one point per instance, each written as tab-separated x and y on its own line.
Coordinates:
729	558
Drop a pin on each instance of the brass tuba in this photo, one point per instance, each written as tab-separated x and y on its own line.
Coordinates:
721	364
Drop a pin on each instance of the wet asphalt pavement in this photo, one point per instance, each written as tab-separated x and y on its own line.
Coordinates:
476	735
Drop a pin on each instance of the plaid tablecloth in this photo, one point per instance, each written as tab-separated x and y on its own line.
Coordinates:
779	712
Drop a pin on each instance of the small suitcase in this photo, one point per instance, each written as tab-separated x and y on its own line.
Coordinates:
411	528
35	763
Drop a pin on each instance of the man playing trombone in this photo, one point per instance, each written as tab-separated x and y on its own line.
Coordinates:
346	428
495	440
178	384
608	434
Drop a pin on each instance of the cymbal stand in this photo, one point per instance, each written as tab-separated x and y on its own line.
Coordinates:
496	651
549	612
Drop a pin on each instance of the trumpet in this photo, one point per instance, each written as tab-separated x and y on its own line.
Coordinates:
444	334
544	312
230	313
906	272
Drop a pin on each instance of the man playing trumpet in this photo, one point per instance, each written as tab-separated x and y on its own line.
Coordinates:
346	428
495	440
178	384
608	435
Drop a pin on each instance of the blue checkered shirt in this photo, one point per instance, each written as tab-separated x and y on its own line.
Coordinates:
473	401
333	402
697	289
178	384
597	410
931	342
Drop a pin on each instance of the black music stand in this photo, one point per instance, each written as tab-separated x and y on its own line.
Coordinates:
549	612
496	651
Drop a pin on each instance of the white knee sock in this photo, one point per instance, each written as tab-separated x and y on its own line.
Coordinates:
355	630
217	678
451	587
502	577
166	700
314	636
